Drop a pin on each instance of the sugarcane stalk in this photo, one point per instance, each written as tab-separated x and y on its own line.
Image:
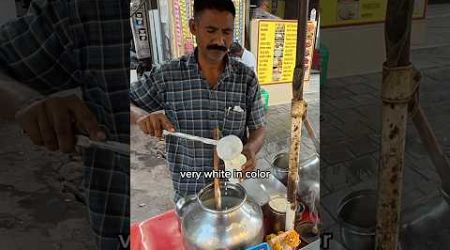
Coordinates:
397	89
217	194
298	109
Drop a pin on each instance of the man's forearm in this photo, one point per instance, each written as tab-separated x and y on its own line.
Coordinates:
256	140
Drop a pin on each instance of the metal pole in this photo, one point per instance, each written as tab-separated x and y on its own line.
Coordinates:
298	110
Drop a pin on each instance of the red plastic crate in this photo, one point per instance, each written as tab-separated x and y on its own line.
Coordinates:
157	233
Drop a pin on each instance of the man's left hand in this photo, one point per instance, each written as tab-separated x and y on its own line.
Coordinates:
250	165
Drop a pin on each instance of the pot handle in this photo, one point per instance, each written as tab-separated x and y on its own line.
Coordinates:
182	203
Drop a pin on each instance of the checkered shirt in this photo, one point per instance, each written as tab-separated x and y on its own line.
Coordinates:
66	44
193	107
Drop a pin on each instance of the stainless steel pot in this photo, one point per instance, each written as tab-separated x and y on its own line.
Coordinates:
309	168
238	225
280	167
357	219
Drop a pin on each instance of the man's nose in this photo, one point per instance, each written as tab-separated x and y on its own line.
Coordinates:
220	40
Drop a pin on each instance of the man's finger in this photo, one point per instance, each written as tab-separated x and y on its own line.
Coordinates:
248	166
47	132
167	125
157	127
31	128
142	125
87	119
63	128
149	126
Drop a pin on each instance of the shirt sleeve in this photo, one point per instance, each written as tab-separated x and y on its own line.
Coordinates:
37	49
256	116
148	92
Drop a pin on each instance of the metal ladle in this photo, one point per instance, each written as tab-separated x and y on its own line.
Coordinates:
228	147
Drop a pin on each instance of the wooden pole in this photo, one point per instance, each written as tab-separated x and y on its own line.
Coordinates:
217	194
431	144
298	109
397	89
312	134
398	32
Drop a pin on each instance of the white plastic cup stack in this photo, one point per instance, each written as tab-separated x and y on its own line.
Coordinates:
229	149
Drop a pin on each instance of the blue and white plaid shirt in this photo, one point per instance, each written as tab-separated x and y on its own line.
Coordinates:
193	107
60	45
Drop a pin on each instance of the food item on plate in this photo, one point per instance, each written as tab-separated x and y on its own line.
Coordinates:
284	240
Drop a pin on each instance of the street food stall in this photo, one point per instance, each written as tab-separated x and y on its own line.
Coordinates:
253	213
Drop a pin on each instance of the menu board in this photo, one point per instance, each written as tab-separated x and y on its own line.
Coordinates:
275	48
182	12
351	12
276	51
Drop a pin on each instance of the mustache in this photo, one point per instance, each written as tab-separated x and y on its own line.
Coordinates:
217	47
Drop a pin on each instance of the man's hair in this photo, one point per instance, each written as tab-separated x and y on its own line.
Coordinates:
220	5
235	48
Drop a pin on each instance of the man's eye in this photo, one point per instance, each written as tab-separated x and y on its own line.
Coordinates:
210	31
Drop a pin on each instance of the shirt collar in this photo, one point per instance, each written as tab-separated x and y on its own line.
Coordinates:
193	61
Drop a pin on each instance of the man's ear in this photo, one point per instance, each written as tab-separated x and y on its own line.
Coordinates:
192	27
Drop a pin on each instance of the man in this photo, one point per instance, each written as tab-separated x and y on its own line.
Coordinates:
243	55
85	44
198	93
262	11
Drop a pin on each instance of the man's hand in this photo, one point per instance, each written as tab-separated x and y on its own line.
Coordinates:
154	124
252	147
51	122
250	165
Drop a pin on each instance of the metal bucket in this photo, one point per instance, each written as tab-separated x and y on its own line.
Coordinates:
357	216
309	167
280	167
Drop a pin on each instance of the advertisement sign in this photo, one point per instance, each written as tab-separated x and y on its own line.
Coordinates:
354	12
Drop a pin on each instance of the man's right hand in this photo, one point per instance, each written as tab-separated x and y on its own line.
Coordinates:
154	124
51	122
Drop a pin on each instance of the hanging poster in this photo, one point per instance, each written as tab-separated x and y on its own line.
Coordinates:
351	12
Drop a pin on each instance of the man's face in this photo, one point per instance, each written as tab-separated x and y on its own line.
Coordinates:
213	30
